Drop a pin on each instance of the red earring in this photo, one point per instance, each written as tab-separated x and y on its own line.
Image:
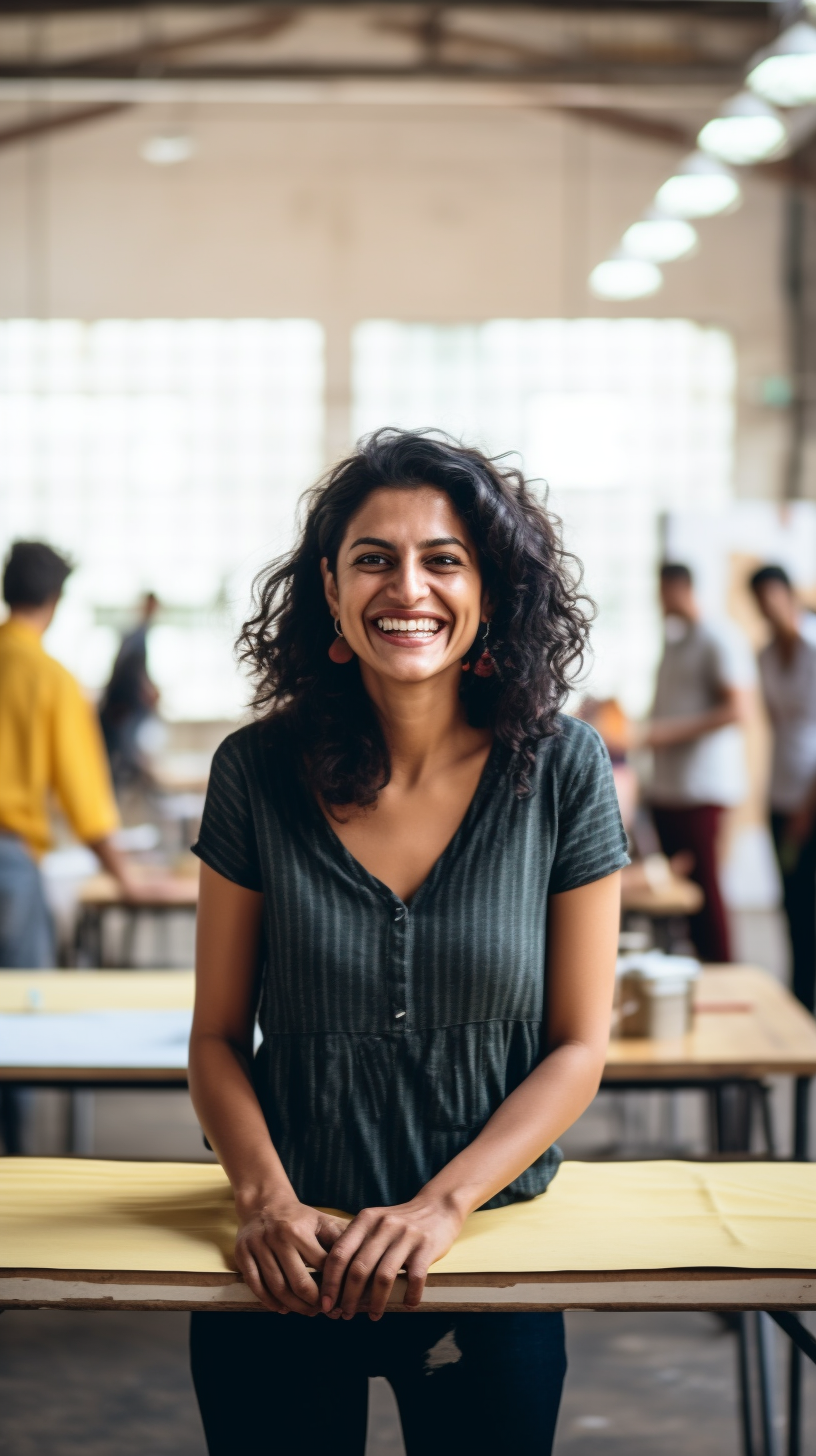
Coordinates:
485	666
340	652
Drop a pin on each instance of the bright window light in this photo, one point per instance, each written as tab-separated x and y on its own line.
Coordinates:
164	455
747	131
701	187
659	239
786	76
620	279
623	419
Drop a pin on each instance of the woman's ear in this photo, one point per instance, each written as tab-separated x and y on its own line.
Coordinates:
330	587
488	606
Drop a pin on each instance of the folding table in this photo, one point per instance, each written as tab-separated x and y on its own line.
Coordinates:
605	1236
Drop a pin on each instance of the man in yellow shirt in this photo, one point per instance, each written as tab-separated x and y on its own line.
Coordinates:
50	745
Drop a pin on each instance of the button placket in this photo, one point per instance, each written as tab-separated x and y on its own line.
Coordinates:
398	965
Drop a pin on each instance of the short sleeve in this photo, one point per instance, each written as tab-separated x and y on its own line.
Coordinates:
591	841
733	659
227	841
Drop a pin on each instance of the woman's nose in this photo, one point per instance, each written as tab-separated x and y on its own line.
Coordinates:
409	584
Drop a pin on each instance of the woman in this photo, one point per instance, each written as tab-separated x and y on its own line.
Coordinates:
787	669
410	870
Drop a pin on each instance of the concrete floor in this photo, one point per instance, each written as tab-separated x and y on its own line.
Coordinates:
97	1384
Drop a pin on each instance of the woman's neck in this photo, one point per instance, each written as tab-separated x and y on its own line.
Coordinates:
424	723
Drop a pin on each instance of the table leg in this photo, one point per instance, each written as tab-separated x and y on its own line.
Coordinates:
11	1120
764	1336
801	1119
83	1110
795	1401
746	1416
734	1103
764	1092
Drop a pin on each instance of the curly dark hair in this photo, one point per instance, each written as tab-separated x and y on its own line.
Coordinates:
538	630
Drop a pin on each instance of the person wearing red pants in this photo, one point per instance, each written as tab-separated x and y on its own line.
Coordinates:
702	697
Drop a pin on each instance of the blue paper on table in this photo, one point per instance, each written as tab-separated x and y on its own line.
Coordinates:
95	1039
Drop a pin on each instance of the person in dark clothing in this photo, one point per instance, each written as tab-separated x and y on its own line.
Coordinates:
129	699
410	871
787	671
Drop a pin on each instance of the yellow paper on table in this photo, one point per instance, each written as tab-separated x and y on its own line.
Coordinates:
122	1216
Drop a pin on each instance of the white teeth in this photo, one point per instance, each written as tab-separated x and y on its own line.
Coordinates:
427	626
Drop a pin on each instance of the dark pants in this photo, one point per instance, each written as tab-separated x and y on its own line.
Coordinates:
798	869
286	1384
695	828
26	943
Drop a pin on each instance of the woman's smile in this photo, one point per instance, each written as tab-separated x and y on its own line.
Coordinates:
403	629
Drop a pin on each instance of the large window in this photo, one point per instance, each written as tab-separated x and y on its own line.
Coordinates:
623	420
163	455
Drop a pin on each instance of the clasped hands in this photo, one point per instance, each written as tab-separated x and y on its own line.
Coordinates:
357	1259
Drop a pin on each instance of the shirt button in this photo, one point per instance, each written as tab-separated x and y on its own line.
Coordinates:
399	913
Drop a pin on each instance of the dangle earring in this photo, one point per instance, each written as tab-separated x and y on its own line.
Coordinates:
340	652
485	665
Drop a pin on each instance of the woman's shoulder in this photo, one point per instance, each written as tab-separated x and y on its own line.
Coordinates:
257	748
574	746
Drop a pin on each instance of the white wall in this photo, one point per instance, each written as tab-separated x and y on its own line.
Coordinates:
341	213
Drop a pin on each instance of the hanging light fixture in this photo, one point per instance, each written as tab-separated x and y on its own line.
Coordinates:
701	187
620	278
167	149
785	73
657	239
746	131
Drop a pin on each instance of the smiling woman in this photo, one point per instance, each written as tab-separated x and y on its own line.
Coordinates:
410	877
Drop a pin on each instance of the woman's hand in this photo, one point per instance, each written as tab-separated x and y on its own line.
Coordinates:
276	1246
376	1245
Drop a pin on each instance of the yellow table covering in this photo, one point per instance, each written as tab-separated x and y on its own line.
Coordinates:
178	1217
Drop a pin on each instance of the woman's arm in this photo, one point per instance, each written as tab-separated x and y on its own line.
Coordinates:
583	937
278	1236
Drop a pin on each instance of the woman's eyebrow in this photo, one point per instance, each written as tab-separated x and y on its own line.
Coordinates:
423	545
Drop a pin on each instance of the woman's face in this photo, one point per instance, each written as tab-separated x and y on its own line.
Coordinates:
407	589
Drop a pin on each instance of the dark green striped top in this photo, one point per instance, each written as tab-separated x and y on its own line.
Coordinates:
392	1032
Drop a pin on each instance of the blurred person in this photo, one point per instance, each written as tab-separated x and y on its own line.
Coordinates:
701	700
129	699
787	670
49	744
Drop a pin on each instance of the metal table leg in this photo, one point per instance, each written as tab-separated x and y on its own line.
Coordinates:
764	1335
801	1119
795	1401
746	1415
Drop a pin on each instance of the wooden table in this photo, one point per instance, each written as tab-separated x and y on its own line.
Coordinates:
614	1236
101	894
747	1026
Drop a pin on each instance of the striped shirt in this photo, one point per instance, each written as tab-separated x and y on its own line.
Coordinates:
392	1031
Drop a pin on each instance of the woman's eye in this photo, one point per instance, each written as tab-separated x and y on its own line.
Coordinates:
372	558
444	561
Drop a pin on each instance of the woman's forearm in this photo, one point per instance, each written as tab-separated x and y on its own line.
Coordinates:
230	1114
521	1129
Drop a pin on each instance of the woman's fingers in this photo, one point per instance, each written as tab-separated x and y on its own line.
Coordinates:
249	1269
276	1282
416	1267
364	1265
343	1250
297	1276
386	1272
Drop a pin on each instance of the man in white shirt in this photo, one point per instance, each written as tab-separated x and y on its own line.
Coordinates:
702	697
787	669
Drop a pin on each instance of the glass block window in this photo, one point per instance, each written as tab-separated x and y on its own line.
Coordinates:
163	455
620	420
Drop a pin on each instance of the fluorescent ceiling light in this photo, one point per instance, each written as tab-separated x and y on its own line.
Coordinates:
747	131
622	278
700	187
659	239
786	72
168	150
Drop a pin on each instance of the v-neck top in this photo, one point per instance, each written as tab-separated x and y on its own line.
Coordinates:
391	1032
